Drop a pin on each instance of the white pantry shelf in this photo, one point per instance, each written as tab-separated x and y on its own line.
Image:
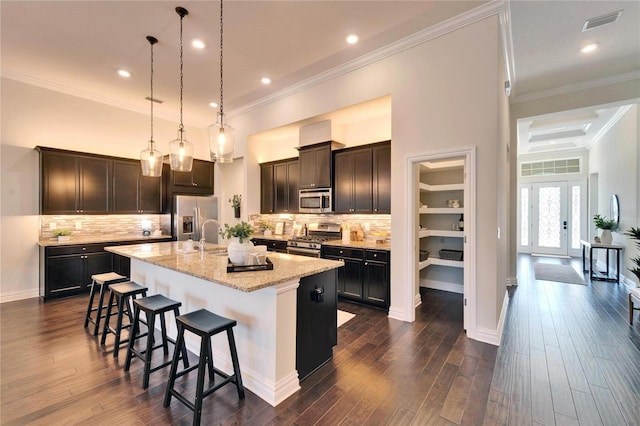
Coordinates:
438	188
441	262
440	233
441	210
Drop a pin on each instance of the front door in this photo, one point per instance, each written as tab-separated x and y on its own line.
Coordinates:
549	218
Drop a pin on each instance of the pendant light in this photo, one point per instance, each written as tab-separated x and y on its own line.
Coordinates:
181	150
221	135
151	158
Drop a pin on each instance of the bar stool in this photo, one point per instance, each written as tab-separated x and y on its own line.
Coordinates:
102	280
152	306
205	324
119	295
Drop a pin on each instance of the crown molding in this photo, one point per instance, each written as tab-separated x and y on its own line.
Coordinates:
611	122
583	85
507	43
494	7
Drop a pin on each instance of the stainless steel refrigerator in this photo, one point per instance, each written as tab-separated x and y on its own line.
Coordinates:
189	212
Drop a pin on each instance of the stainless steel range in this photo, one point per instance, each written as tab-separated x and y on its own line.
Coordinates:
310	245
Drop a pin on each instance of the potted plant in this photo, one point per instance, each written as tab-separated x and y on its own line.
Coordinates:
239	245
235	203
635	234
267	228
606	225
62	234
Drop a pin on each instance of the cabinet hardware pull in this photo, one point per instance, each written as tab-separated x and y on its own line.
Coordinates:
194	184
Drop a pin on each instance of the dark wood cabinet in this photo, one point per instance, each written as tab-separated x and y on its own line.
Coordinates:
365	275
134	193
72	183
353	181
362	179
199	181
279	246
279	186
315	166
67	270
382	178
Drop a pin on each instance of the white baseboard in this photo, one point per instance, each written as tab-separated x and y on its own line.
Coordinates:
442	285
397	313
10	296
417	300
494	337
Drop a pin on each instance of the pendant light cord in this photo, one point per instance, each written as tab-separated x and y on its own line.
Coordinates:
152	41
221	79
181	128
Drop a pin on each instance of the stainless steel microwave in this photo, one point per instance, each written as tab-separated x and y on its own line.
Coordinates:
316	200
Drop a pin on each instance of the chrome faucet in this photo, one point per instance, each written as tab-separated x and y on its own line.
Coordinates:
202	244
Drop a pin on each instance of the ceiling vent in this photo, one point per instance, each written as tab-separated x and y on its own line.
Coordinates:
609	18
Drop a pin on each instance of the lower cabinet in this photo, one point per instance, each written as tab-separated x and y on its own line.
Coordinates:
365	275
272	245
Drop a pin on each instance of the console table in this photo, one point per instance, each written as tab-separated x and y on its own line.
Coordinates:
608	247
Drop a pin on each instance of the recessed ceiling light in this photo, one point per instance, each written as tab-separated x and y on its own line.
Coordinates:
589	48
265	80
213	104
198	44
124	73
352	39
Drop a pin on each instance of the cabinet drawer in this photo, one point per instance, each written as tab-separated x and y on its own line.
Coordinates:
352	253
379	255
75	249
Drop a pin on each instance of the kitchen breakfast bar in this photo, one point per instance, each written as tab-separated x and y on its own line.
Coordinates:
286	317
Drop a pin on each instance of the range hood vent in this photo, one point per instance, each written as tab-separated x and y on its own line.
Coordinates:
609	18
319	132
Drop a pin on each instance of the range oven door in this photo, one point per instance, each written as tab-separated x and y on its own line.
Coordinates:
303	251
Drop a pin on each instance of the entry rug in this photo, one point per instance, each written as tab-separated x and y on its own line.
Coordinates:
559	273
344	317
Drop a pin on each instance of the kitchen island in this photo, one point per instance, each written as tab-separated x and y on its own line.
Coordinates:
264	304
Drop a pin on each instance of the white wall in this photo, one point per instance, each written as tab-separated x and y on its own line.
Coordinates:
33	116
614	159
443	96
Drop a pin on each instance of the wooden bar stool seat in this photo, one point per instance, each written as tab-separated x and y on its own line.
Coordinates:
102	280
119	296
152	306
205	324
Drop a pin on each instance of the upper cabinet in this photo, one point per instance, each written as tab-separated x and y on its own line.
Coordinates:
134	193
79	183
362	179
74	183
199	181
279	186
315	166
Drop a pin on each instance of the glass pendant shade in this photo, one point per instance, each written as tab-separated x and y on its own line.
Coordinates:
151	161
181	154
221	141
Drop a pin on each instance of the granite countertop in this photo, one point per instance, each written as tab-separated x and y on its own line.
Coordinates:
211	265
272	237
372	245
103	238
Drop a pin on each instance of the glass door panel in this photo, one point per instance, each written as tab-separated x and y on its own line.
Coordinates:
549	218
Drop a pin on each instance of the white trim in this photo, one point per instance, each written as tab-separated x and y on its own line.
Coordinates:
494	337
397	313
612	122
452	24
512	281
417	300
583	85
470	270
442	285
507	43
10	296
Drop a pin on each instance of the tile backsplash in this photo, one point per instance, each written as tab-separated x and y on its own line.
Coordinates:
376	223
99	225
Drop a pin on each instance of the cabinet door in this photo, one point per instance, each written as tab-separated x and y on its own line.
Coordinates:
307	169
376	283
125	186
202	172
281	191
362	193
292	186
266	188
59	183
94	185
343	182
97	263
64	273
323	166
382	179
353	278
150	194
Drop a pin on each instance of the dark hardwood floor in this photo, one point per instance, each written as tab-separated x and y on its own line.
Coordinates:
568	357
